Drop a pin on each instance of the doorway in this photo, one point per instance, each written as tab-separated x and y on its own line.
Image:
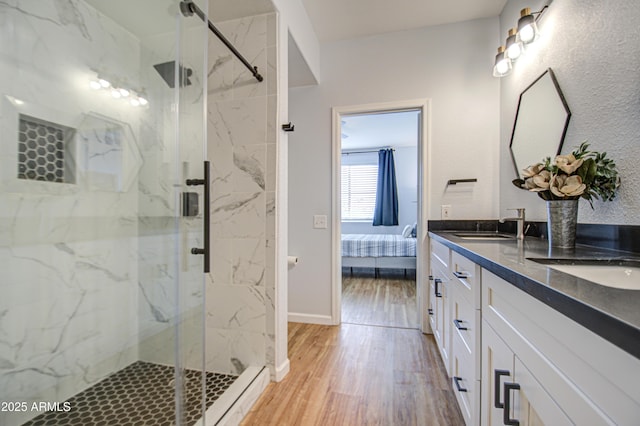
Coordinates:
377	270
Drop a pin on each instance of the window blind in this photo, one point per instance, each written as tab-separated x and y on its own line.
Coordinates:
359	191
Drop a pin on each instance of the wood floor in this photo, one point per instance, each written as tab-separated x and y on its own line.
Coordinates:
359	375
389	300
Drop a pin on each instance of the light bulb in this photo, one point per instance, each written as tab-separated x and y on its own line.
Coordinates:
514	46
115	93
134	102
527	28
502	65
124	92
104	83
142	101
95	85
527	34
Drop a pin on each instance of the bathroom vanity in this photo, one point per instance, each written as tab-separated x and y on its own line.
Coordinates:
527	342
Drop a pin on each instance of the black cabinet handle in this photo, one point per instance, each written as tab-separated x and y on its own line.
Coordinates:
430	311
508	387
457	380
458	325
496	386
463	275
430	277
436	291
206	251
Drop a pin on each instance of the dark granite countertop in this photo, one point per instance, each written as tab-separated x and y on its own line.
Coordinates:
612	313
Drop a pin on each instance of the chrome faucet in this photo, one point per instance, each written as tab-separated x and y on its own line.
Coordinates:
519	220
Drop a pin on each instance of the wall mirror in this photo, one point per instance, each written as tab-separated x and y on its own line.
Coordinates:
541	122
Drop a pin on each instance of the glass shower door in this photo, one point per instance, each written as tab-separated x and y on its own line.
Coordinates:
102	121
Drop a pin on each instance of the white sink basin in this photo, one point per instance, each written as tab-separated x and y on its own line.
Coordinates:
624	275
627	277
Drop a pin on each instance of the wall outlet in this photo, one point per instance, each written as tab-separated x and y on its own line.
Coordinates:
320	221
445	211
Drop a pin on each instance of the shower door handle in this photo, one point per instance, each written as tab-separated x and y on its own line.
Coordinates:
206	251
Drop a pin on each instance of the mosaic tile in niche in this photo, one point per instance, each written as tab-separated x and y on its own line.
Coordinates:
42	147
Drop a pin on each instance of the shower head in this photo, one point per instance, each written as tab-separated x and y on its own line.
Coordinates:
167	71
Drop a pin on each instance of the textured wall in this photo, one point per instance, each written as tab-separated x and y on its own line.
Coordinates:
593	48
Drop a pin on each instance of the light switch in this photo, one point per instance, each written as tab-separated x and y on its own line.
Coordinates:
320	221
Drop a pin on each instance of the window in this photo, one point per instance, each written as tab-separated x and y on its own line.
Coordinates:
359	191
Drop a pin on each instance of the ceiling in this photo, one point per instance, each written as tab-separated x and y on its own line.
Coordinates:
339	19
392	129
151	17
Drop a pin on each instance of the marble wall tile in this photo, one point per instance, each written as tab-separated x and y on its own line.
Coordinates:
238	122
241	146
234	307
238	215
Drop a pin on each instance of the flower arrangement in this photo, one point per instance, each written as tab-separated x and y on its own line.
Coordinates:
581	174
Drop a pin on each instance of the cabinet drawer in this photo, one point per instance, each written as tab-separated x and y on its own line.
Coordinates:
463	380
440	254
465	322
467	274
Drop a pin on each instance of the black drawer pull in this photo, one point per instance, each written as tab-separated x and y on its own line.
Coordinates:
436	291
430	277
496	386
508	387
458	325
457	380
430	311
463	275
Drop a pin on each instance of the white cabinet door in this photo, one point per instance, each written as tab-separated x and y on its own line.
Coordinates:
531	404
497	368
510	393
439	313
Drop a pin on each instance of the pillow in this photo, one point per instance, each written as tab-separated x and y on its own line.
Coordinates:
414	230
406	232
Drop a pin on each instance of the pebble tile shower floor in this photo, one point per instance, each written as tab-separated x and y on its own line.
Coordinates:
140	394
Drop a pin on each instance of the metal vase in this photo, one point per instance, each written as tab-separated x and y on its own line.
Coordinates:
562	219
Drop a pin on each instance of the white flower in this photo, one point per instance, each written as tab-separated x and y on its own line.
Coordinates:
532	170
539	182
568	163
566	186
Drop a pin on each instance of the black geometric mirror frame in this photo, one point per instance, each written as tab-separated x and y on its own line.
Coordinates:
524	108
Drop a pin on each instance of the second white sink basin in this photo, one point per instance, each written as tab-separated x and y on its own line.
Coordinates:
616	274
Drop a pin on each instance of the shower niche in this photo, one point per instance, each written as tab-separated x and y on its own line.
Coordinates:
44	149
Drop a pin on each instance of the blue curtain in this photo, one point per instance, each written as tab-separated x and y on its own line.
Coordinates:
386	210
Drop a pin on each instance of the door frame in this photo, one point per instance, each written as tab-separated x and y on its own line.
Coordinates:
424	151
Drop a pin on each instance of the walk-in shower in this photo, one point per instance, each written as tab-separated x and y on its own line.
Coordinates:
108	111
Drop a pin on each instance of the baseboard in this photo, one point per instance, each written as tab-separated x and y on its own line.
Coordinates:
310	318
281	371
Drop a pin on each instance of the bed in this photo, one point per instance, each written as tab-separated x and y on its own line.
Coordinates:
378	251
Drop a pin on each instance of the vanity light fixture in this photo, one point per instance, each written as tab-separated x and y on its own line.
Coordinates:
502	64
525	33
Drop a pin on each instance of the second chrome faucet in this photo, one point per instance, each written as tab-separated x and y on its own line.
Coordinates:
519	220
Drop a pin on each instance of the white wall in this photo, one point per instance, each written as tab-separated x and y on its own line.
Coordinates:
406	161
295	21
593	49
451	65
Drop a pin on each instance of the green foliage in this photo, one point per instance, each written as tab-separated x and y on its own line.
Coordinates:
597	172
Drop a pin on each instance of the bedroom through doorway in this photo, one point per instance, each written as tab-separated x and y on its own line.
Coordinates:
379	193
